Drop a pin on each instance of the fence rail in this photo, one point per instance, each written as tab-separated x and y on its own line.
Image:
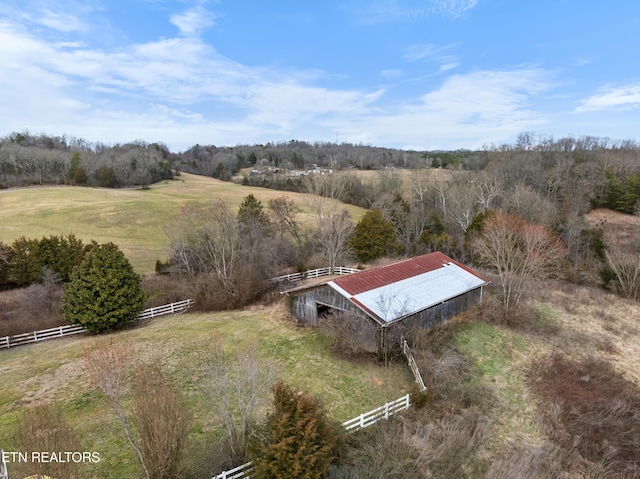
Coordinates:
360	422
372	417
173	308
7	342
236	473
412	364
314	273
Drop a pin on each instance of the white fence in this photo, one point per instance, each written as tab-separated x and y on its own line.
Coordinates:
68	330
172	308
239	472
360	422
383	412
314	273
412	364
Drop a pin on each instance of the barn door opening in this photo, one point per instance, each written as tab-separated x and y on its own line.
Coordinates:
324	310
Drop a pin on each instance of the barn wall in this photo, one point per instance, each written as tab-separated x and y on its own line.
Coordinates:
437	314
304	306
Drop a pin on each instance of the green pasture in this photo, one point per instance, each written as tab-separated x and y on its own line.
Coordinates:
52	371
134	219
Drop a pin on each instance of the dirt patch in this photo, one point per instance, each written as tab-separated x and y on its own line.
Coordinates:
587	406
619	228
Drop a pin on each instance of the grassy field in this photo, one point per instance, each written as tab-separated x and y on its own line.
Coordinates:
52	371
134	219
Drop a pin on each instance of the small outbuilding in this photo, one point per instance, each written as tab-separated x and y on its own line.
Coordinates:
416	293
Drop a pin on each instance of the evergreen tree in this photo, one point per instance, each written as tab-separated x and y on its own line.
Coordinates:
252	212
298	440
374	237
104	292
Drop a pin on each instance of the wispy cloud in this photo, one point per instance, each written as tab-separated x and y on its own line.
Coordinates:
405	10
623	97
434	53
193	21
474	109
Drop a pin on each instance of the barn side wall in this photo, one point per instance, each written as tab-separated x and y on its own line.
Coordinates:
304	306
437	314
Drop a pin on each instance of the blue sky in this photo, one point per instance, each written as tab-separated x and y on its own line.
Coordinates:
429	74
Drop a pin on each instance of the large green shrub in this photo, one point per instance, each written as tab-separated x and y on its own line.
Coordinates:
374	237
298	440
104	292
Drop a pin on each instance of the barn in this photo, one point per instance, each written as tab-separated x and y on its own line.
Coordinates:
418	292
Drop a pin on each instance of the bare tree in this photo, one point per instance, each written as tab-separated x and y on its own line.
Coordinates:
520	252
285	211
206	239
162	420
529	205
107	363
325	192
50	288
236	386
44	428
626	266
334	225
487	188
463	206
333	232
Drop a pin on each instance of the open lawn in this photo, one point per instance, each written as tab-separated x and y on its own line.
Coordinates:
52	371
134	219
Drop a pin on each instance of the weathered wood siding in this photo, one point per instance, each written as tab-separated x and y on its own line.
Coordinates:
439	313
304	306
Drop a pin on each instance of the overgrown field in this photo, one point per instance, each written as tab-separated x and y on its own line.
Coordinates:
554	393
52	371
134	219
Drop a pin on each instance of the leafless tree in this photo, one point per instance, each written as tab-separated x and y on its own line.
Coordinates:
463	206
107	364
49	289
333	232
487	188
529	205
237	387
324	193
520	252
162	421
626	266
44	428
285	211
206	239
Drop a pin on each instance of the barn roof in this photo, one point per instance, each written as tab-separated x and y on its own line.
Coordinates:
391	292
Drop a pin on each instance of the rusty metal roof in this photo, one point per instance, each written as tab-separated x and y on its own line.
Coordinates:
400	289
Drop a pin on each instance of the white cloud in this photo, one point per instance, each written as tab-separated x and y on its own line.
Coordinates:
624	97
391	74
58	21
452	8
193	21
473	109
405	10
